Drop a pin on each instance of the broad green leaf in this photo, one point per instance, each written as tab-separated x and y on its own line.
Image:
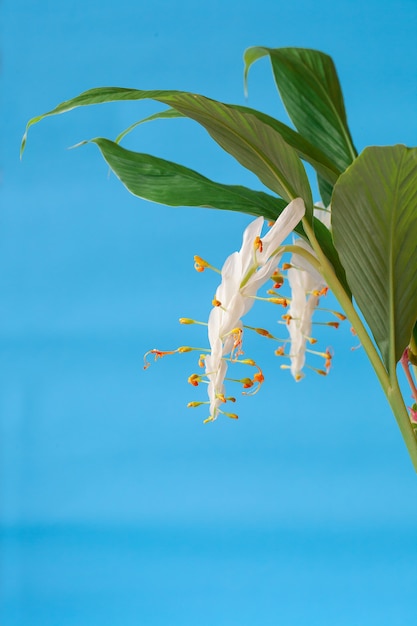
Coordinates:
310	90
326	190
313	155
257	146
304	149
168	183
374	221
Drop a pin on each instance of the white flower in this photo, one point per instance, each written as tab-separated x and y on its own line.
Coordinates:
243	273
305	282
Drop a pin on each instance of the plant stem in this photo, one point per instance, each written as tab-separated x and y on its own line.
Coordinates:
389	383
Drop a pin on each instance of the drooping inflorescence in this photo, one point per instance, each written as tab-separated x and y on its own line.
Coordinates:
242	275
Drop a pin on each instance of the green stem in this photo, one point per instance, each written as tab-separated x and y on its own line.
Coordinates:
389	383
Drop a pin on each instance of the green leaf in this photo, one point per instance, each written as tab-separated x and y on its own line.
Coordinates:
374	221
310	90
168	183
313	155
304	149
257	146
325	240
167	114
326	190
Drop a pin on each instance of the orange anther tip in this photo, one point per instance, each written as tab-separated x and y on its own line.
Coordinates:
259	378
216	302
286	266
194	379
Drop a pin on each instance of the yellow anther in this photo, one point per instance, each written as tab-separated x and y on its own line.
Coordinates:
209	419
216	302
200	264
201	360
192	405
320	292
182	349
194	380
280	351
264	333
248	362
257	244
186	320
287	266
282	301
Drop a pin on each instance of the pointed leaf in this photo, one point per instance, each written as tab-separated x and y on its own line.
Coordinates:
168	183
313	155
257	146
310	90
374	220
304	149
167	114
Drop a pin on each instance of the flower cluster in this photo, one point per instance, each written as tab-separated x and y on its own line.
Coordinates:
243	274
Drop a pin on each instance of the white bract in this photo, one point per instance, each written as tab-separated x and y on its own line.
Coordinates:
243	273
305	282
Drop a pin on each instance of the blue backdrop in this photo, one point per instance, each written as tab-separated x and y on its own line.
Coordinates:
117	505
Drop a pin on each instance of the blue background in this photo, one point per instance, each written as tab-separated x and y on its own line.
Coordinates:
117	505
